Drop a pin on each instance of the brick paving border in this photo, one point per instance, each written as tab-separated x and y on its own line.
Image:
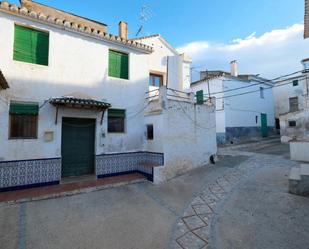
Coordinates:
193	229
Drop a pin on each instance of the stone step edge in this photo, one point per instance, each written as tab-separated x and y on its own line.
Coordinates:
304	170
73	192
295	174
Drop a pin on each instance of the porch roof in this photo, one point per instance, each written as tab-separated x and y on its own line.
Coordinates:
80	103
3	82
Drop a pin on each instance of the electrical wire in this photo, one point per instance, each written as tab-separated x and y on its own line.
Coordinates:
244	93
189	117
255	84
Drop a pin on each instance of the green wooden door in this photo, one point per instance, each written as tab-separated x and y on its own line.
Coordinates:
264	127
77	146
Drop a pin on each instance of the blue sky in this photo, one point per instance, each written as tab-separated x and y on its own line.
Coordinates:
182	21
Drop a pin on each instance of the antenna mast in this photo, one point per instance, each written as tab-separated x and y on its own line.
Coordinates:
145	15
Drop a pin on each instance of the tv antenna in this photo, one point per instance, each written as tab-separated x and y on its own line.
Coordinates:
145	14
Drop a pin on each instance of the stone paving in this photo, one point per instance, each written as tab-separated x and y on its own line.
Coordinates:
193	229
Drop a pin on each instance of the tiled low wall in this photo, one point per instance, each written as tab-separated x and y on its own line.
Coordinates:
29	173
121	163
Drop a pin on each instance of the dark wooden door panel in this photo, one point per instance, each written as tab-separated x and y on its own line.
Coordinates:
77	146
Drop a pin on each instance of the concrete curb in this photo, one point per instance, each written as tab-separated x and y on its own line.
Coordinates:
71	193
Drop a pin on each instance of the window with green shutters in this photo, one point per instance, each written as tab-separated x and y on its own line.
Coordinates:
31	45
118	65
116	120
200	97
23	120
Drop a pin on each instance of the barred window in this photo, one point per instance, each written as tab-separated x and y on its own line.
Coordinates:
293	102
150	132
116	121
23	120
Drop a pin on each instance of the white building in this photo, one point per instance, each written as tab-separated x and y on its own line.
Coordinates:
166	57
292	105
73	98
244	103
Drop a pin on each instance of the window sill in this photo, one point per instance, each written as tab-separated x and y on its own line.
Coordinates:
23	138
116	78
31	64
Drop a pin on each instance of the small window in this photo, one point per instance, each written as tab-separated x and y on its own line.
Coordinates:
116	121
118	65
293	102
295	82
23	121
277	123
262	92
31	45
292	123
155	80
150	132
200	97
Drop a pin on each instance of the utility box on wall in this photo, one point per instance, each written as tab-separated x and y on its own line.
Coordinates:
48	136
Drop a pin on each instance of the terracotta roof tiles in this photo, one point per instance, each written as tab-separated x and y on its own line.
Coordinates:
71	26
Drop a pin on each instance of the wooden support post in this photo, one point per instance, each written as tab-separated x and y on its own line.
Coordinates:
56	119
102	117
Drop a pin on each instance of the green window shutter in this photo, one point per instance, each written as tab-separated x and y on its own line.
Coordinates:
124	74
118	65
200	97
31	45
24	108
116	113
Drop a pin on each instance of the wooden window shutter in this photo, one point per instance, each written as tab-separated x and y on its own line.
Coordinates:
31	45
118	66
124	66
116	113
200	97
24	109
293	102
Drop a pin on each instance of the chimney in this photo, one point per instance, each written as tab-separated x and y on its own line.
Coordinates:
123	30
305	63
234	71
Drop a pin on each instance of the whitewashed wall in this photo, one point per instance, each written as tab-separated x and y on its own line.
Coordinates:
178	76
186	74
285	90
238	111
215	85
300	132
76	64
185	133
241	111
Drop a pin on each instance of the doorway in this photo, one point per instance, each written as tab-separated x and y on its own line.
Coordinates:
77	146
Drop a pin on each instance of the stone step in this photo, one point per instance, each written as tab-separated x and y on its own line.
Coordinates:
295	174
295	181
304	170
299	180
299	151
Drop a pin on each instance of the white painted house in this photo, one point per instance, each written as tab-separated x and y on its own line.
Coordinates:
244	103
164	58
73	99
292	105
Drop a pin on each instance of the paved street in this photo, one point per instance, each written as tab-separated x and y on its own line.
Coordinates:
241	202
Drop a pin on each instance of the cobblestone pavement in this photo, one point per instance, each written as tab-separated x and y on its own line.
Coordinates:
194	229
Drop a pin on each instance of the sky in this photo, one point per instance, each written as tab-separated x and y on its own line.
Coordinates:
264	36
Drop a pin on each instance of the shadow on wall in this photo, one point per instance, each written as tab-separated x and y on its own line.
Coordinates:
237	134
107	89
